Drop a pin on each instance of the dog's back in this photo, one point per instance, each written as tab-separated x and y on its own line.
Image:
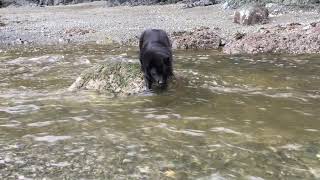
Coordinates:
154	36
155	56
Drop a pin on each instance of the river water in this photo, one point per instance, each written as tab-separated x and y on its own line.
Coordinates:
239	117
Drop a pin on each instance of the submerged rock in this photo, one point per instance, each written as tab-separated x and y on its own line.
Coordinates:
293	38
116	78
197	38
250	15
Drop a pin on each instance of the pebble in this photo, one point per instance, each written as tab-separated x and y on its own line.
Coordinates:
126	161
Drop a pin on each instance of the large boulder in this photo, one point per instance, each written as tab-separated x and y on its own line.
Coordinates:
251	14
292	38
198	38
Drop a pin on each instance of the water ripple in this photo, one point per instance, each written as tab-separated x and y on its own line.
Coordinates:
21	109
51	138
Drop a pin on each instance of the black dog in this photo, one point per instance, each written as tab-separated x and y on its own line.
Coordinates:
155	57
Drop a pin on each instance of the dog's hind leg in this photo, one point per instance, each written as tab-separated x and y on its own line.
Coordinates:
148	82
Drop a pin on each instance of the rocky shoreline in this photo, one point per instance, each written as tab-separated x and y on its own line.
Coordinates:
292	38
205	27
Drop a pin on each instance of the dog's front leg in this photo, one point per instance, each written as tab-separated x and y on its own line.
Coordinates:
148	83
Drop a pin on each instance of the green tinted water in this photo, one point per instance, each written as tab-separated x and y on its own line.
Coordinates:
239	117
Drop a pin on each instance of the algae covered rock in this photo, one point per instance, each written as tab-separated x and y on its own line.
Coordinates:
117	78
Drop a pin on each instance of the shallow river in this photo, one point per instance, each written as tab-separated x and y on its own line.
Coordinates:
239	117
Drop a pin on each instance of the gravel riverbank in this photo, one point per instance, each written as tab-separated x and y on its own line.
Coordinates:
95	22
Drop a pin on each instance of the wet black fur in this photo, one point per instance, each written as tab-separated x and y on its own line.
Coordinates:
156	54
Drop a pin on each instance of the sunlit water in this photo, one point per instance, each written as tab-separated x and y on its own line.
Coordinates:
239	117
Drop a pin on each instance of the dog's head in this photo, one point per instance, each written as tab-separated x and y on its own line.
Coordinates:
160	69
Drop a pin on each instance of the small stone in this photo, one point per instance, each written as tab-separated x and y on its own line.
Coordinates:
313	24
131	153
19	41
315	172
170	174
7	159
239	35
144	170
223	42
126	161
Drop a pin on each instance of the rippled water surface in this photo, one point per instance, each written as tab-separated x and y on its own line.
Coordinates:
239	117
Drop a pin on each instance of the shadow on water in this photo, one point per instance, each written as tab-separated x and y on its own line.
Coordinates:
238	117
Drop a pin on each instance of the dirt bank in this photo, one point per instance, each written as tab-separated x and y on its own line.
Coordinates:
95	22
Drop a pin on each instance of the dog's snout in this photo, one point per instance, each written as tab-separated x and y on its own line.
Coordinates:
162	84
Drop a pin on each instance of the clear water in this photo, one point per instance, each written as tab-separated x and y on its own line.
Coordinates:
239	117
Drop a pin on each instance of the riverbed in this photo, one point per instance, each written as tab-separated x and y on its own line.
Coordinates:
238	117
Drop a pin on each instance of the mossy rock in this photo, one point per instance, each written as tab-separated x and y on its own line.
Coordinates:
116	78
